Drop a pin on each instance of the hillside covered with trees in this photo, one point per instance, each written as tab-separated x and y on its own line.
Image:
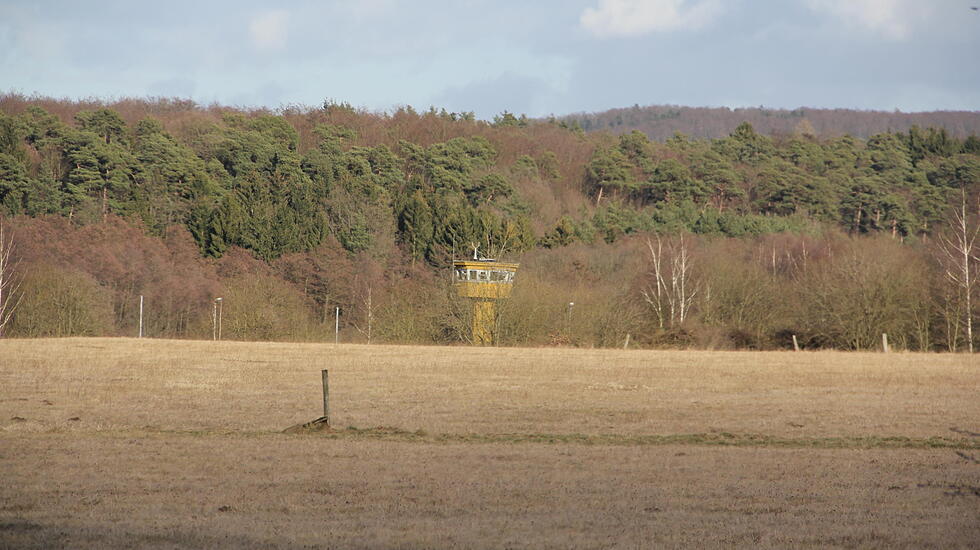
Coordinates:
661	122
292	213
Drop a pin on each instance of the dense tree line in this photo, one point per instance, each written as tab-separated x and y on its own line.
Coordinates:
660	122
748	183
292	214
244	182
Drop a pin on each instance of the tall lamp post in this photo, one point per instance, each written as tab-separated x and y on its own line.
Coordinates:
568	319
216	319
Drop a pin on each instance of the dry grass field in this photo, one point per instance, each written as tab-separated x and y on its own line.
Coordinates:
164	444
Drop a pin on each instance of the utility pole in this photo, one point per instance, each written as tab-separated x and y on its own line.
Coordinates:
216	319
568	319
220	303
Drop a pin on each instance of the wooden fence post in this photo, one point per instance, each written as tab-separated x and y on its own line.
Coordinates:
326	396
796	344
884	342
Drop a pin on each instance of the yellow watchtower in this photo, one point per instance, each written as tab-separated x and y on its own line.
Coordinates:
485	281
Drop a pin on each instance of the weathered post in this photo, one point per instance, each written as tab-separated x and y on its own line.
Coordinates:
884	342
796	344
319	424
326	396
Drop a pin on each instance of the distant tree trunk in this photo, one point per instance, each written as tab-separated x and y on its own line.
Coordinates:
367	299
370	315
658	295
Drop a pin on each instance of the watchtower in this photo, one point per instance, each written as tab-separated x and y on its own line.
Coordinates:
483	280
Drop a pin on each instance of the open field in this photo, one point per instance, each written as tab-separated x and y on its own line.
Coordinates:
179	444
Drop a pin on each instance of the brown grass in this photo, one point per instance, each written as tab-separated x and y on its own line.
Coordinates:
180	444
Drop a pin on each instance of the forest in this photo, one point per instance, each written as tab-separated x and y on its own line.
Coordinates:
745	241
661	122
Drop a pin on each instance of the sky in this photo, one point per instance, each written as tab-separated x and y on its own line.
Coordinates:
537	57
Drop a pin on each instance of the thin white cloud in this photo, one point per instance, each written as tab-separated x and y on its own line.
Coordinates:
636	17
890	18
269	30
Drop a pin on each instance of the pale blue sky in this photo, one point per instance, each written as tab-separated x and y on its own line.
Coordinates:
535	57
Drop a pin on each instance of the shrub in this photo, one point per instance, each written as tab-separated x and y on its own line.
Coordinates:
259	307
62	302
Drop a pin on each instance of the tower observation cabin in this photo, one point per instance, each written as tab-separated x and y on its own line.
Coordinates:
484	281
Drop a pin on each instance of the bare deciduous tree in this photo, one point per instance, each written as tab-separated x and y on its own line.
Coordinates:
368	301
8	286
960	254
672	291
363	296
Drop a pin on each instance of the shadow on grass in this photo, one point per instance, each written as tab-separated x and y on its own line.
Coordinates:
29	535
